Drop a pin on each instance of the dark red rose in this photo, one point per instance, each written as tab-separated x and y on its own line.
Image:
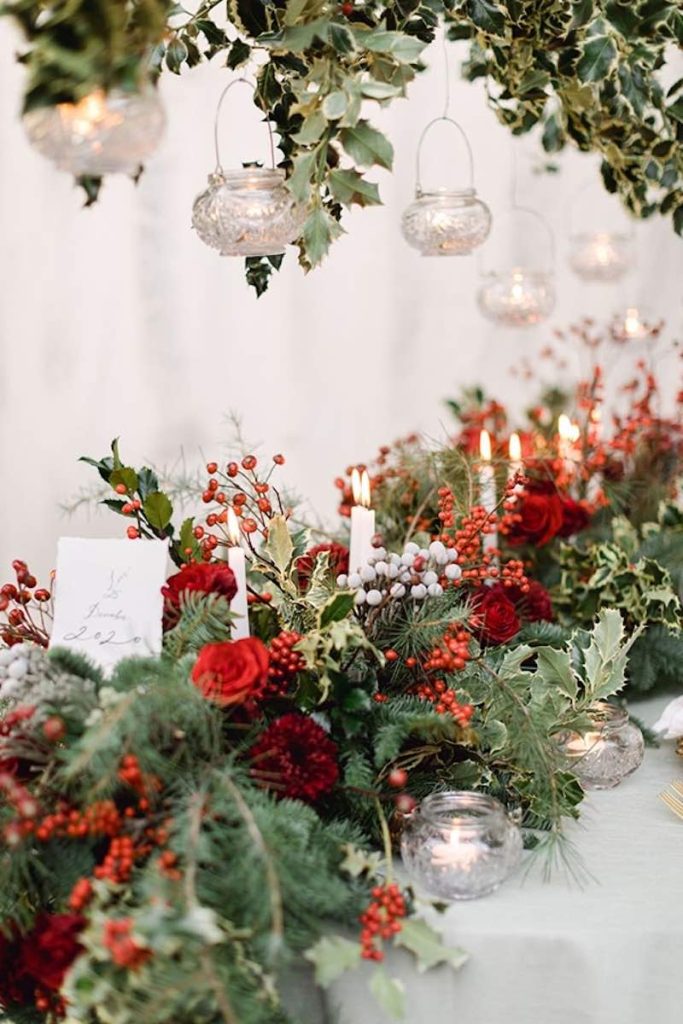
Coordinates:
202	577
296	757
14	987
50	949
540	519
232	672
533	606
495	616
338	562
575	517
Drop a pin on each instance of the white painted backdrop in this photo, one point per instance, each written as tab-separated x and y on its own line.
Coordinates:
118	321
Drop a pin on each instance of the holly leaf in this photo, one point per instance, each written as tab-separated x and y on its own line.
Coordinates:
428	946
158	510
404	48
331	957
336	609
312	128
334	105
126	476
366	146
189	548
319	232
360	862
348	186
487	16
279	545
555	668
389	993
299	182
599	57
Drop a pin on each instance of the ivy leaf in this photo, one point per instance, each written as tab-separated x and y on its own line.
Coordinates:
158	510
487	16
427	945
279	545
599	56
336	609
332	956
367	146
349	187
389	993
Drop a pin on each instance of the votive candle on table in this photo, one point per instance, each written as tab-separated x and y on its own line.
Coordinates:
362	521
238	563
487	486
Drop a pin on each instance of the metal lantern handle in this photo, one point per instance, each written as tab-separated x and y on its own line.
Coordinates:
418	175
252	85
540	219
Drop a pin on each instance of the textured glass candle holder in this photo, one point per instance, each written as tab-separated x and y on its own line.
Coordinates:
519	297
248	212
460	846
610	751
445	223
601	256
105	133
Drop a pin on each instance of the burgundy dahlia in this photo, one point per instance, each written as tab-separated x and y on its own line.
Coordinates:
296	757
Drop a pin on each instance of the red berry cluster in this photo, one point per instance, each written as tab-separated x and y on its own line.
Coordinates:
23	606
381	920
124	950
445	701
81	894
285	663
117	865
131	774
17	796
95	821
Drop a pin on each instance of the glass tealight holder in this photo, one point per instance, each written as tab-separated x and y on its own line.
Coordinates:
609	752
601	256
518	297
247	212
105	133
460	845
446	223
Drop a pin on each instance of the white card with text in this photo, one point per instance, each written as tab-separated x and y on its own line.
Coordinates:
108	601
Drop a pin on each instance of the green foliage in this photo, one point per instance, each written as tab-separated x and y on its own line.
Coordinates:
586	74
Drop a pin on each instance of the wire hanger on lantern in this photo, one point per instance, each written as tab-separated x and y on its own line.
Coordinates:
216	121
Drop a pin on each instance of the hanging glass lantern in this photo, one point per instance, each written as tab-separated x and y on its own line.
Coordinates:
445	221
634	324
601	256
104	133
601	239
521	294
248	211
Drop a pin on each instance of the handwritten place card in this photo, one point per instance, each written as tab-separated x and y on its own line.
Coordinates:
108	602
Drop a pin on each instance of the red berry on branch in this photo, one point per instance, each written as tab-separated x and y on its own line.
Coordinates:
233	469
405	803
121	489
398	778
212	467
249	462
279	460
133	533
54	729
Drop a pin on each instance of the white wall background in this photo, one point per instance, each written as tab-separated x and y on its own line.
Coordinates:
118	321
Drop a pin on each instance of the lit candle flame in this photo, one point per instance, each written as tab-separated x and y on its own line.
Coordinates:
233	527
574	432
485	445
515	447
360	485
632	323
564	427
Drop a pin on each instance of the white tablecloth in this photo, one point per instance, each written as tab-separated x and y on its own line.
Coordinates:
608	952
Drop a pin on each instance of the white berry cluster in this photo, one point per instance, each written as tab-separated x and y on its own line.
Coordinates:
27	677
415	573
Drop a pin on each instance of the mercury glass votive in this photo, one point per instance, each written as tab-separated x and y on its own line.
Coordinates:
446	223
105	133
606	754
460	845
519	297
601	256
248	212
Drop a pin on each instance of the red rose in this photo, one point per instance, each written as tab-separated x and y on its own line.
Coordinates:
296	757
533	606
201	577
495	616
49	950
575	517
540	519
14	988
338	562
231	673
